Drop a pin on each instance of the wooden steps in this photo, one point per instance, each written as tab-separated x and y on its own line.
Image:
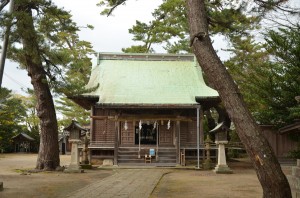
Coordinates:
129	156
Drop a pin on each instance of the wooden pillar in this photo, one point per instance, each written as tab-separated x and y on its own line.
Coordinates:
116	145
201	126
92	124
198	136
139	152
177	145
201	117
92	113
157	143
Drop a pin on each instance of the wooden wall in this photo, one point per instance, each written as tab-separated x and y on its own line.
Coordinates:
166	135
103	130
188	133
127	136
281	144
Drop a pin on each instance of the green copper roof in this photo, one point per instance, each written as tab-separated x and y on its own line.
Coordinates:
148	79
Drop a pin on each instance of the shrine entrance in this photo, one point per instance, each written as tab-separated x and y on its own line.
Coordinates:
148	135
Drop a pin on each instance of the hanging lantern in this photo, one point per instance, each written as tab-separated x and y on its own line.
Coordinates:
169	125
125	125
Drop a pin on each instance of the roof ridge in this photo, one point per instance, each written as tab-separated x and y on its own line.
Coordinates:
146	57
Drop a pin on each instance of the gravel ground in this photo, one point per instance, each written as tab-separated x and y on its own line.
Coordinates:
186	183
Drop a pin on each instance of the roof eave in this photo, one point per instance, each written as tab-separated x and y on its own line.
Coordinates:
85	101
292	128
74	124
147	106
208	101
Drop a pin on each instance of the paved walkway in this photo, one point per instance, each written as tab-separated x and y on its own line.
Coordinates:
133	183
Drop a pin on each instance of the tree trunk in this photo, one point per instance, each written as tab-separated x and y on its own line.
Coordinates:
270	175
48	157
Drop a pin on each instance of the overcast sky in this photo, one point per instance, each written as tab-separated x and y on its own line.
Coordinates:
109	35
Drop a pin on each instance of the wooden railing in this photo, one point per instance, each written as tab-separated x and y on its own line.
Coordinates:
235	145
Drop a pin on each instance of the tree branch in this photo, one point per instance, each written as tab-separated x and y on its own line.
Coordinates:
119	2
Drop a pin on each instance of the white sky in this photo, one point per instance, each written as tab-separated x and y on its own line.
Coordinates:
109	35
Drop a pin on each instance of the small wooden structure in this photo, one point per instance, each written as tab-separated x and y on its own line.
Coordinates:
280	140
23	143
63	140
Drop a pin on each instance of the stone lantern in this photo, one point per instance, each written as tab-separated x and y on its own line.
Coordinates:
221	132
74	130
207	162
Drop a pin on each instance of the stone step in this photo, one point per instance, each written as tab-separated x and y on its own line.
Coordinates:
160	161
153	164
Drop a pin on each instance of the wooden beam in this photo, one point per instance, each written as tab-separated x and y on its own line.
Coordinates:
152	117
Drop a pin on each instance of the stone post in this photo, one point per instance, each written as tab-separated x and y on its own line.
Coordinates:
74	165
207	163
222	165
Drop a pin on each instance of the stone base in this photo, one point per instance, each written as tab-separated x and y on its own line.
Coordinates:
73	169
108	162
1	186
223	169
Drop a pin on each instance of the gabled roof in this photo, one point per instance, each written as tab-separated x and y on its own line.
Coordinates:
148	79
23	135
74	125
292	128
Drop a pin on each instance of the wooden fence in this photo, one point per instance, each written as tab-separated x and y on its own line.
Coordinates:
282	144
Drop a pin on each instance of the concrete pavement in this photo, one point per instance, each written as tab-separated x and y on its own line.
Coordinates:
133	183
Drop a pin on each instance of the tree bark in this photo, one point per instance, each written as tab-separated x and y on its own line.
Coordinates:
48	157
270	175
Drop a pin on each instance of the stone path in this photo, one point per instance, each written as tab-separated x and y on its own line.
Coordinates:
133	183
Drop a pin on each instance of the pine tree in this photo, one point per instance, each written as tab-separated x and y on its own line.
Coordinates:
270	175
284	45
12	116
44	41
